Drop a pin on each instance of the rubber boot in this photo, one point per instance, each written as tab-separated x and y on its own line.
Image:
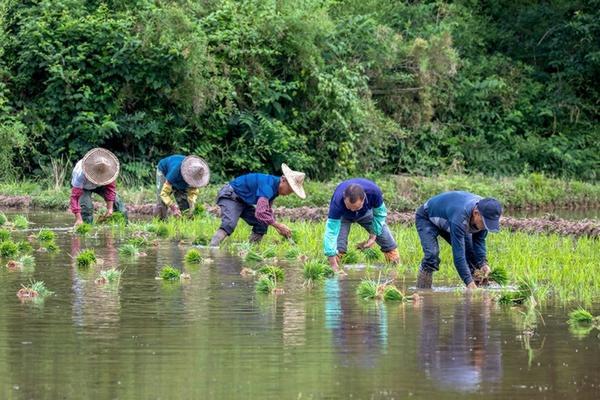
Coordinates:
425	279
255	237
392	257
218	237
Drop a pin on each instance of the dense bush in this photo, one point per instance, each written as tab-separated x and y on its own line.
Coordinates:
331	87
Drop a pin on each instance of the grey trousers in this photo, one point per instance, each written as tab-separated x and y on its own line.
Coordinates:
385	241
180	197
87	205
233	208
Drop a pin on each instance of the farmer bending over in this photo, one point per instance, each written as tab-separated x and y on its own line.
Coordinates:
251	197
181	177
96	172
463	219
358	201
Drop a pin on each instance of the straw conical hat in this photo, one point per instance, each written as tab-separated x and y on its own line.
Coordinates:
100	166
195	171
295	179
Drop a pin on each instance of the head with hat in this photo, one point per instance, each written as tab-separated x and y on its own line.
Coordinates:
100	166
195	171
291	182
486	215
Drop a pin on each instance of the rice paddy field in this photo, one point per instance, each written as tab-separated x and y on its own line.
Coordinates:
149	311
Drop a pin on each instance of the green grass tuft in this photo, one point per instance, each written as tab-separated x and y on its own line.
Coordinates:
83	229
24	247
351	257
372	255
274	273
293	253
8	249
46	235
315	271
499	275
253	257
580	316
201	240
116	218
193	256
4	235
129	250
168	273
51	247
86	258
112	275
265	285
27	260
20	222
392	293
3	218
367	289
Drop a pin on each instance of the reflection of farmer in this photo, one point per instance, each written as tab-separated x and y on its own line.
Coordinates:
463	220
358	201
251	197
462	354
96	172
181	177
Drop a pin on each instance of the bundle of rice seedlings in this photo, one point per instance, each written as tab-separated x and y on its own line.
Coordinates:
129	250
367	289
34	290
86	258
20	222
269	252
315	271
8	249
392	293
46	235
168	273
3	218
372	255
253	257
272	272
116	218
265	285
293	253
193	256
201	240
24	247
112	275
138	241
27	260
351	257
4	235
580	316
499	275
83	229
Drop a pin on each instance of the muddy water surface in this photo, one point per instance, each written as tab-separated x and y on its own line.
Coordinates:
214	337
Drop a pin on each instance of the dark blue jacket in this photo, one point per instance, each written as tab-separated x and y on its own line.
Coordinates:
451	212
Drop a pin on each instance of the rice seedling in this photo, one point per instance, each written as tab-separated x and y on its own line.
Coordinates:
253	257
372	255
20	222
168	273
83	229
201	240
265	285
46	235
116	218
272	272
580	316
367	289
129	250
8	249
27	260
4	235
499	275
138	241
3	218
315	271
24	247
528	291
293	253
351	257
269	252
193	256
35	289
86	258
162	231
112	275
51	247
392	293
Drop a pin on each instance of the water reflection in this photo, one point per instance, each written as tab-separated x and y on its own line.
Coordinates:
359	335
460	352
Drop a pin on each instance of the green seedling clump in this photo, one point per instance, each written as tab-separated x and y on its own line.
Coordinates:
8	249
367	289
46	235
116	218
24	247
3	218
499	275
109	276
83	229
51	246
129	250
264	284
34	290
138	241
372	254
253	257
162	231
274	273
27	260
351	257
20	222
4	235
293	253
269	252
168	273
580	316
193	256
315	271
392	293
86	258
201	240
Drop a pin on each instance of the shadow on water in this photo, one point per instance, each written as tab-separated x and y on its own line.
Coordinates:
214	337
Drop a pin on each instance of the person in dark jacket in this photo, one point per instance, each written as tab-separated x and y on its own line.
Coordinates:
463	219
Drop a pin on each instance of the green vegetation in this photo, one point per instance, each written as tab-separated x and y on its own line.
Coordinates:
372	255
582	322
129	250
293	253
315	271
83	229
169	273
528	292
369	289
3	218
51	247
4	235
24	247
36	290
273	272
580	316
350	257
112	275
193	256
201	240
8	249
20	222
27	260
86	258
46	235
499	275
253	257
116	218
265	285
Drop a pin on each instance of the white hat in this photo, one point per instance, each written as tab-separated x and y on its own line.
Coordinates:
295	179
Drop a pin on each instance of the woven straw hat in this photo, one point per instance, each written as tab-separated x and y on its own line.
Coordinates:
195	171
100	166
295	179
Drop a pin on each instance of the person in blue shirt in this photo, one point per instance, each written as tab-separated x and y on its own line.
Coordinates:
360	201
463	219
251	197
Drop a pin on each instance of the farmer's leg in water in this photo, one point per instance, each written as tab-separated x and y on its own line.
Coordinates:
259	228
160	210
428	235
385	240
231	210
87	206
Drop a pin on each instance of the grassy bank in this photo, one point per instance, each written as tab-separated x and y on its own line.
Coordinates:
401	192
567	266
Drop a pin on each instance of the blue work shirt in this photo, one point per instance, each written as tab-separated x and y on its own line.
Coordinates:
250	187
170	167
337	207
451	212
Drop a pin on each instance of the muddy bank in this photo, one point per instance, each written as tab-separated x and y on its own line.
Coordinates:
549	224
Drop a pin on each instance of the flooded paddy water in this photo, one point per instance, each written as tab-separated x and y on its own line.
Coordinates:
213	336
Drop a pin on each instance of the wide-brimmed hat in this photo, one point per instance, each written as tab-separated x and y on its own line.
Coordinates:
100	166
195	171
295	179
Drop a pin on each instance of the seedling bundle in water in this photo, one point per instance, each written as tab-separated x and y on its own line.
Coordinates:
582	322
116	218
274	273
168	273
3	219
46	235
4	235
371	254
201	240
83	229
350	257
315	271
129	250
86	258
8	249
35	290
499	275
20	222
373	290
265	285
193	256
528	291
112	275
